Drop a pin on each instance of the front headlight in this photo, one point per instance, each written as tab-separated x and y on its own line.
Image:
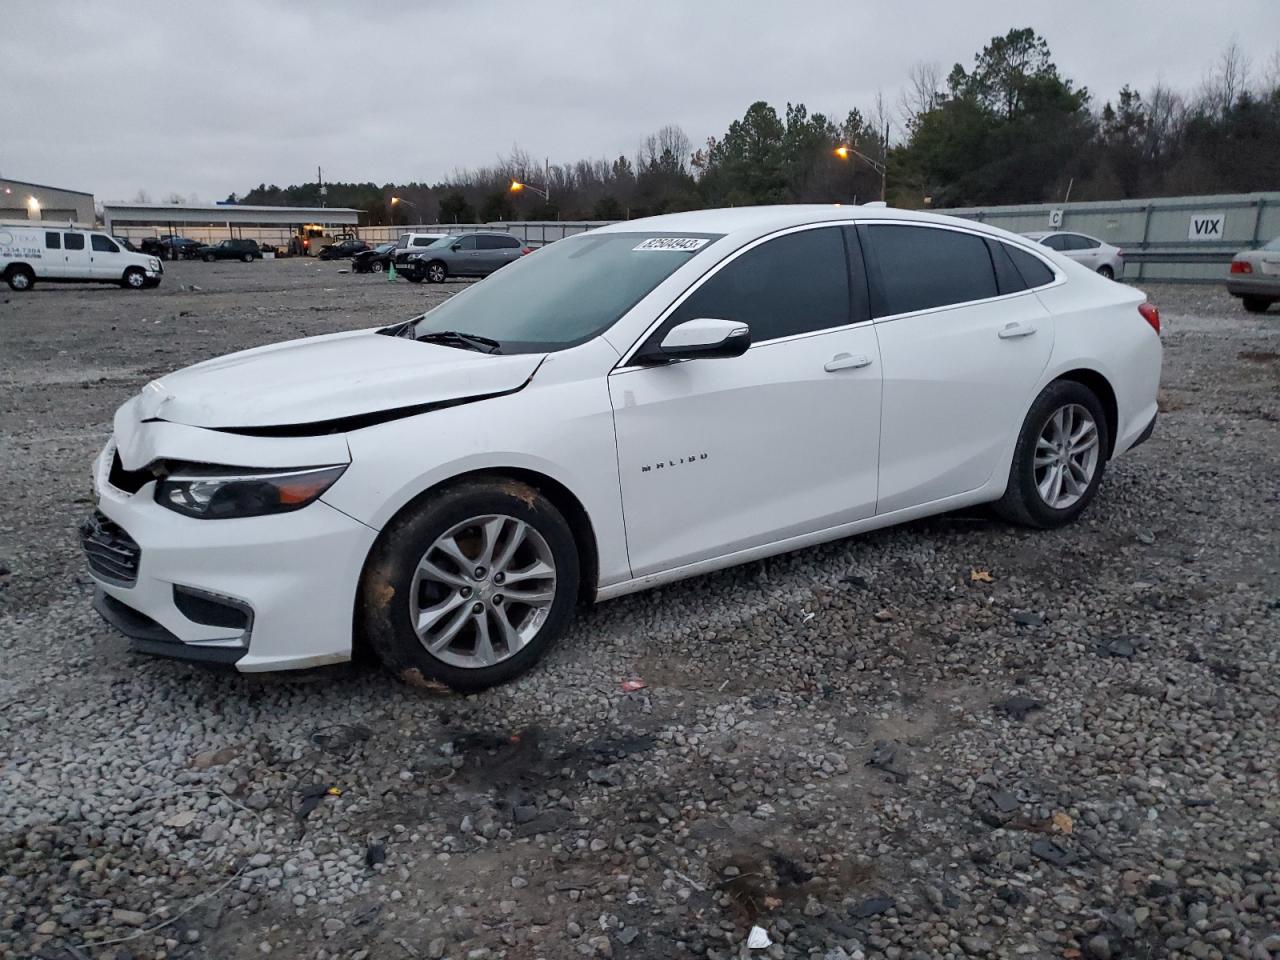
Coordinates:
218	493
155	264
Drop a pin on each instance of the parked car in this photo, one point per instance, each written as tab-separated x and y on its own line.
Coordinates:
1082	248
466	255
410	243
170	247
246	250
126	243
342	249
1254	277
42	253
644	402
374	260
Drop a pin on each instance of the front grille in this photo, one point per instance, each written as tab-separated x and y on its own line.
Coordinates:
130	481
113	555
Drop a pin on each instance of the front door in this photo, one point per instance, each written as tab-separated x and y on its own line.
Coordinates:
104	258
722	455
961	359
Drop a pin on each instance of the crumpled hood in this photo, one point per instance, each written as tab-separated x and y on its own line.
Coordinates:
326	378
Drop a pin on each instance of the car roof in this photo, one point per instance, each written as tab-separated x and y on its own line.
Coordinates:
767	219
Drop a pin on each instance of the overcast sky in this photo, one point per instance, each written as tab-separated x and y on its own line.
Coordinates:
211	98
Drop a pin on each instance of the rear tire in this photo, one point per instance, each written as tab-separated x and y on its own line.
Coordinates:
1039	457
208	258
247	258
1107	272
1257	304
134	279
460	607
20	278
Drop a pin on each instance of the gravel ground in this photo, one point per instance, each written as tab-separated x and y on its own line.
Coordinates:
863	748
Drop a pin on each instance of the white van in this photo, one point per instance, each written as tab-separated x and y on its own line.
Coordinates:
45	252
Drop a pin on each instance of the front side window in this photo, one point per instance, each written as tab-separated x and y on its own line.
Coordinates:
103	245
466	243
571	292
73	241
797	283
922	268
53	241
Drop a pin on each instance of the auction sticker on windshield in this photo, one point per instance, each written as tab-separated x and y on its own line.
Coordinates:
679	244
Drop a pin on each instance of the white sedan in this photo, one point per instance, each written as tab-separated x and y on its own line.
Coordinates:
645	402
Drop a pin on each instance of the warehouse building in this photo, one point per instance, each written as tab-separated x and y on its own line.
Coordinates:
20	200
209	223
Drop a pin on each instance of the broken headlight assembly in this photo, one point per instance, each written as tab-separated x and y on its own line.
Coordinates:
220	493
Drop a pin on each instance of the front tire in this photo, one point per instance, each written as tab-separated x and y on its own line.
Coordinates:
1256	304
134	279
376	267
247	258
472	586
413	276
208	258
1059	459
437	272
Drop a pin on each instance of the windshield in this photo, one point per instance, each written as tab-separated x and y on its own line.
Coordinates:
384	248
442	242
403	241
563	294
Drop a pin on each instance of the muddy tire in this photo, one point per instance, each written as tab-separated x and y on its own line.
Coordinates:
470	586
1059	459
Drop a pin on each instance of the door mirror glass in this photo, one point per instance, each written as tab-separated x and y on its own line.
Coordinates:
703	338
456	246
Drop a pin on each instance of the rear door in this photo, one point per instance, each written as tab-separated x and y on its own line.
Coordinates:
1083	249
104	258
54	261
962	351
76	262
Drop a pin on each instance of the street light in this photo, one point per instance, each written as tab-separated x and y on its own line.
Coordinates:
545	194
844	152
408	203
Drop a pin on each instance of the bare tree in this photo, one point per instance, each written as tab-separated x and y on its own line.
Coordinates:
1166	114
923	91
1229	78
142	197
174	197
1270	77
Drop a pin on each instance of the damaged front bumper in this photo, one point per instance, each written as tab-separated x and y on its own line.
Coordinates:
259	593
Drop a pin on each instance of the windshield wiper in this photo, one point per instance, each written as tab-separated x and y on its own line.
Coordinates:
465	341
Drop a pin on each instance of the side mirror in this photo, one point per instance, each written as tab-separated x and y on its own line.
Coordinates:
456	246
701	339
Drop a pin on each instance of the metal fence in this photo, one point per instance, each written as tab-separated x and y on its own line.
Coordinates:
1177	239
533	233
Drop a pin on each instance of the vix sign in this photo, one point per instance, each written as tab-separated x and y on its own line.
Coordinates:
1206	226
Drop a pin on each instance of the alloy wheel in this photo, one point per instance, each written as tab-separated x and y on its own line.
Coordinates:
1066	457
435	273
482	591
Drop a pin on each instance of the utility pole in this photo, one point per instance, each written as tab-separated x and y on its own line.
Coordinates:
884	163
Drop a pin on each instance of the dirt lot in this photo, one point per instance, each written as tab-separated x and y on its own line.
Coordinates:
865	748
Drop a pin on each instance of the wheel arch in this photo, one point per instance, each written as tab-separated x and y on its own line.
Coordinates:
564	500
1105	393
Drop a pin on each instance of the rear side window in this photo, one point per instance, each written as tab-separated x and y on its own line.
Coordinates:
488	243
1077	242
921	268
798	283
53	241
74	241
423	241
103	245
1031	268
508	242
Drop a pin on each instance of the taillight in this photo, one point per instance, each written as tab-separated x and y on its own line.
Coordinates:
1241	266
524	250
1151	314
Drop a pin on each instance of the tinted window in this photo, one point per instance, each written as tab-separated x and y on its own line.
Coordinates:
925	267
570	292
422	241
402	242
1077	242
1033	270
103	245
1055	242
488	243
508	242
466	243
53	241
74	241
797	283
1008	279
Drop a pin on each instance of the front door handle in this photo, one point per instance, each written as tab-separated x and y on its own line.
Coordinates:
1013	330
846	361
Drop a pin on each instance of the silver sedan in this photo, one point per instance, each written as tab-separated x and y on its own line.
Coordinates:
1093	253
1255	277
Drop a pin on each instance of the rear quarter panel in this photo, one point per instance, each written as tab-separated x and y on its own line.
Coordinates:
1098	327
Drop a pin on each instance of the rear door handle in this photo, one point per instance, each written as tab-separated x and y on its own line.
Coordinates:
846	361
1013	330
